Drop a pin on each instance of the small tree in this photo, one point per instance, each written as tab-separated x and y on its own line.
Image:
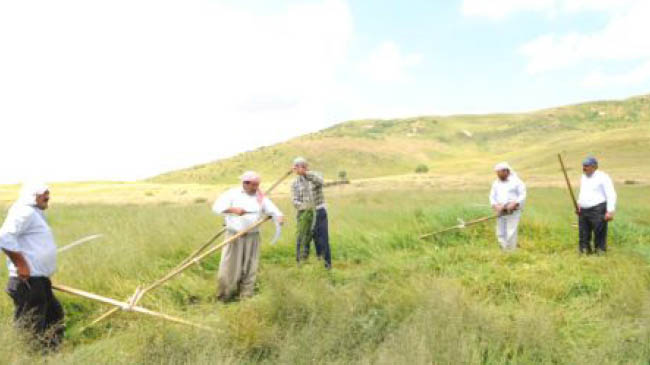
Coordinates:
422	169
343	175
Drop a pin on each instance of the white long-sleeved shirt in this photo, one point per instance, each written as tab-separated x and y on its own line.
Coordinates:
596	189
238	198
25	230
510	190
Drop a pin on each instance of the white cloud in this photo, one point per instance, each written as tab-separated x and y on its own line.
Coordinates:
126	89
502	9
637	75
623	38
387	63
549	52
610	6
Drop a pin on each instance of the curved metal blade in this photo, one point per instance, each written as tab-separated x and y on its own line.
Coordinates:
79	241
278	232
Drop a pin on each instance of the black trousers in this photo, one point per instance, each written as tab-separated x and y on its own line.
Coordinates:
322	236
37	310
592	223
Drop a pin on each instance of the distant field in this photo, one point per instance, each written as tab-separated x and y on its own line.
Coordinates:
391	298
122	193
480	177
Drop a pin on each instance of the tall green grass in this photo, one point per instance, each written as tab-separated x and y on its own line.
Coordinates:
391	298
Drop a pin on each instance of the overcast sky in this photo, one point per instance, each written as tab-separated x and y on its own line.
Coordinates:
123	90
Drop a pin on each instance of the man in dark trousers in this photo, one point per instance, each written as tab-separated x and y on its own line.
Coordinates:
596	206
307	197
26	238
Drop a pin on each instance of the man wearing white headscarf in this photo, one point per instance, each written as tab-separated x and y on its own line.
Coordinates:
507	198
242	207
26	238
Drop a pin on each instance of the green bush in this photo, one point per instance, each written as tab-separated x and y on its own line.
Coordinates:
422	169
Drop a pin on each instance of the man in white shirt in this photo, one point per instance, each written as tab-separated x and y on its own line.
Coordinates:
242	207
507	198
596	206
27	240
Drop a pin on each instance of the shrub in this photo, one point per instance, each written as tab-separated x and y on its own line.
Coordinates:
422	169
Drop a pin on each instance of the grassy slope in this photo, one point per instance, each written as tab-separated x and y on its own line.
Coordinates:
616	131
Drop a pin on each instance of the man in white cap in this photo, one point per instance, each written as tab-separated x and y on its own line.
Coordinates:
507	198
26	239
242	207
596	206
307	197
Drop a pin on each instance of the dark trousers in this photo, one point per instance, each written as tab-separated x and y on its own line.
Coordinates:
37	310
592	221
313	227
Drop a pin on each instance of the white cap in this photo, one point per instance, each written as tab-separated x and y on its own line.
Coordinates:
502	166
300	161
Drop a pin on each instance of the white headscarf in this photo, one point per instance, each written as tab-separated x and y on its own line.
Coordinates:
506	166
29	191
254	177
250	176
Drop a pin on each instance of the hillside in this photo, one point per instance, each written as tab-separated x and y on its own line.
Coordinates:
618	132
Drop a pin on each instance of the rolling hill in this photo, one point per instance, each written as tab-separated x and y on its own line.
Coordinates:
618	132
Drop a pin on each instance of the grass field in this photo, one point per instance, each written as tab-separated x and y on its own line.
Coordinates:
390	298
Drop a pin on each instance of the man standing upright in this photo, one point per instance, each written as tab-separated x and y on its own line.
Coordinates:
596	206
507	198
242	207
27	240
307	197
